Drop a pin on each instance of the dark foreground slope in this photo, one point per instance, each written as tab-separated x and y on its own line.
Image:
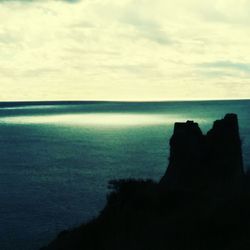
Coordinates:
202	202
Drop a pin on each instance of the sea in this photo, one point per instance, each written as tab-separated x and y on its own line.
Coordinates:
56	158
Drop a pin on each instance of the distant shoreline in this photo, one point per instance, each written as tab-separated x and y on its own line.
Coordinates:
42	103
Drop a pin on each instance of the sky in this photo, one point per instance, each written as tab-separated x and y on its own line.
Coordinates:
141	50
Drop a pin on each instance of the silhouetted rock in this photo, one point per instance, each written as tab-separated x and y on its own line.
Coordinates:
223	146
186	154
197	159
144	215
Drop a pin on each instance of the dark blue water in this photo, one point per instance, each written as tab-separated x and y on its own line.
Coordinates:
56	160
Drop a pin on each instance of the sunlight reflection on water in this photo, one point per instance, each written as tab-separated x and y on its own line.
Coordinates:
97	119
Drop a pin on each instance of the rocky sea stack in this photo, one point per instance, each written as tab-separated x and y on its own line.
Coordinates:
202	202
197	159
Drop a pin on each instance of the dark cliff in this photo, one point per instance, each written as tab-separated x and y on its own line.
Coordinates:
201	203
197	159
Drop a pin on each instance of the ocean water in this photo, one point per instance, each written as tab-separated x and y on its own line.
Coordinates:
56	159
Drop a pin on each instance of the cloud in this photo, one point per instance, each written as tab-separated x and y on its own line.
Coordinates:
220	69
26	1
228	65
147	27
127	49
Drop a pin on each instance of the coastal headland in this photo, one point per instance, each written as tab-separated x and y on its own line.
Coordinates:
201	203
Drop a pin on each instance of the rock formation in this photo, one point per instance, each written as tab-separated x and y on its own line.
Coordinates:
143	215
201	159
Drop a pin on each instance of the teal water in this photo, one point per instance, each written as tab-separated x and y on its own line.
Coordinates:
56	159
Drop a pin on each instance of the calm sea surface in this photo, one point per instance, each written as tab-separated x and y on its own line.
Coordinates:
56	160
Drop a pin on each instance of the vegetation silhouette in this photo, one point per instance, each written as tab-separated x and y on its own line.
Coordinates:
201	203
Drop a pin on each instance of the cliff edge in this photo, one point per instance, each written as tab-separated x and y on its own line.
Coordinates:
201	203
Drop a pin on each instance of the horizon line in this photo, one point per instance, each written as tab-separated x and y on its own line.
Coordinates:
119	101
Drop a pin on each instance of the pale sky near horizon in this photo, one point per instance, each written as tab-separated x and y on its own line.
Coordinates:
124	49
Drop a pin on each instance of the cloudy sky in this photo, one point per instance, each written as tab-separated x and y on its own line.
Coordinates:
124	50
